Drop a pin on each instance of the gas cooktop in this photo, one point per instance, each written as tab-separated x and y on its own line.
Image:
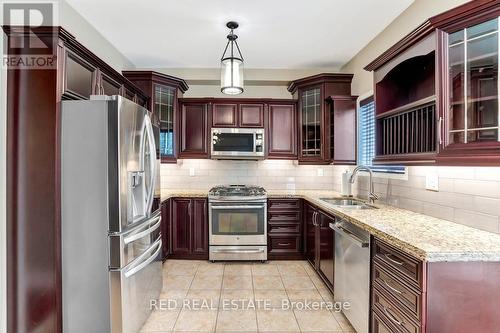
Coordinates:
238	192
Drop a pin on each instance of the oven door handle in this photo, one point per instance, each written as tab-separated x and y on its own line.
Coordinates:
239	207
238	251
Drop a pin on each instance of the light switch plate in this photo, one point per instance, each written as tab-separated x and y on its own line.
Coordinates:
432	182
191	172
320	172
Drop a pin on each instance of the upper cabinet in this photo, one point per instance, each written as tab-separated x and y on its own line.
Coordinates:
83	74
315	119
164	91
194	129
282	131
236	114
437	90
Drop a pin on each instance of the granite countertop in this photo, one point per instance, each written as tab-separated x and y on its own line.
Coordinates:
422	236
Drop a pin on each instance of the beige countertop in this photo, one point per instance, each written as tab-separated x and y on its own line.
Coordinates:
425	237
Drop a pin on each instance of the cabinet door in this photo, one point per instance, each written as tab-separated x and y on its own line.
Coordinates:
194	131
310	215
343	130
109	86
199	227
224	115
165	228
80	77
472	121
282	131
326	247
311	126
180	225
164	107
251	115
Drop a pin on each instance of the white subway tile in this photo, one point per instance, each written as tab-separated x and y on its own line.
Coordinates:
477	220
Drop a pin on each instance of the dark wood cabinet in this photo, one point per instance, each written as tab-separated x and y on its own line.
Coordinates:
194	130
284	221
80	77
251	115
314	114
225	115
234	114
343	129
436	91
165	228
164	92
411	295
199	233
311	234
181	226
189	228
282	131
326	248
320	243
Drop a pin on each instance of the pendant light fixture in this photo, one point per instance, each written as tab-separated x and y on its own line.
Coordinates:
231	74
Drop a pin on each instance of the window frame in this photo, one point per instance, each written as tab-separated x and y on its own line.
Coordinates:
381	170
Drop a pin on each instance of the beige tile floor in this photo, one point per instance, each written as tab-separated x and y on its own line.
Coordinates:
199	296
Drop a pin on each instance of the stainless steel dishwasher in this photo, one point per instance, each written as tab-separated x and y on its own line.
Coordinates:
352	272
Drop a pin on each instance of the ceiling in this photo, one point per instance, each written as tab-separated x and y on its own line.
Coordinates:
279	34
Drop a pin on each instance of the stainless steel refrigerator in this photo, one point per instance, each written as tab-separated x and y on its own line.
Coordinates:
110	227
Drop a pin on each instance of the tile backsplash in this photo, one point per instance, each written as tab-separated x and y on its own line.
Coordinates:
466	195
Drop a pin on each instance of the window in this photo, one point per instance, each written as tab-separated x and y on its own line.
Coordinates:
366	144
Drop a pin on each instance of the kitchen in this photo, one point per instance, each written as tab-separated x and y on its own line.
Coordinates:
226	174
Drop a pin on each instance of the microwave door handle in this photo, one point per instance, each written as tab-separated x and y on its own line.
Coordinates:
143	260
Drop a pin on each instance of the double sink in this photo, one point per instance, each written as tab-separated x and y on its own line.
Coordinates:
347	203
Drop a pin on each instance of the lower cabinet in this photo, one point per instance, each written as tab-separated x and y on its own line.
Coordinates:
326	248
165	228
189	228
410	295
320	243
284	232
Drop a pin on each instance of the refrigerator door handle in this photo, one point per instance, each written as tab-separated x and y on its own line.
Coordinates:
156	220
148	128
143	260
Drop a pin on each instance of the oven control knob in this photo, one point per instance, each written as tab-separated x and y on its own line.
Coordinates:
237	238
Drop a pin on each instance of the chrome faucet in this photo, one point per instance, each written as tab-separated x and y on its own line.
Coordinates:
372	194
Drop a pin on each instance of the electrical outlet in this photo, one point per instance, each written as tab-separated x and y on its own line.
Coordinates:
320	172
432	182
290	187
191	172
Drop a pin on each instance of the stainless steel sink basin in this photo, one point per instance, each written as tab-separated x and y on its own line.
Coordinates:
347	203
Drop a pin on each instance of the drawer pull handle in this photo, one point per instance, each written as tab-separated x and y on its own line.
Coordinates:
283	244
389	257
392	288
391	317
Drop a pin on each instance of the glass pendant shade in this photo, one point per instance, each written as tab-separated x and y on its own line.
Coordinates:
231	76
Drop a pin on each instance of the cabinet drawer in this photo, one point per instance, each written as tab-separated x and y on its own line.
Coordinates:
283	216
283	204
284	244
392	314
398	263
379	326
284	228
402	294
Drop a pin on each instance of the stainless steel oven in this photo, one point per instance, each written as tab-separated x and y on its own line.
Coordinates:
237	143
237	223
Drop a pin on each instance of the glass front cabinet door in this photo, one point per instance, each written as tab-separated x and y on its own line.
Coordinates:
164	108
471	131
311	124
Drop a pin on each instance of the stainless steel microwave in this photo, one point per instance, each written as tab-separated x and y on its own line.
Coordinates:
238	143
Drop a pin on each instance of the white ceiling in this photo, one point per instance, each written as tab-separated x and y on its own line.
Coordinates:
272	33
